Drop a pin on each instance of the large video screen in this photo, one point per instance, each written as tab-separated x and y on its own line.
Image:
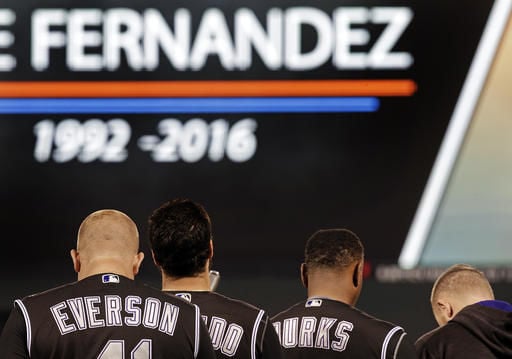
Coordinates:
281	117
465	209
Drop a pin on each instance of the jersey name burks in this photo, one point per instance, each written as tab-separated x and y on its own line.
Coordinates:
312	332
89	312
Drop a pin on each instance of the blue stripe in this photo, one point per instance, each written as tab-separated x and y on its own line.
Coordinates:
189	105
497	304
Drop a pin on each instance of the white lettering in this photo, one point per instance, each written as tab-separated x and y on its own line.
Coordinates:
297	17
342	335
93	310
76	306
151	313
307	329
313	333
132	304
232	339
277	327
157	34
322	335
7	18
225	340
96	39
61	318
79	38
123	32
169	318
398	19
290	328
212	38
267	44
113	311
43	38
86	313
346	37
216	330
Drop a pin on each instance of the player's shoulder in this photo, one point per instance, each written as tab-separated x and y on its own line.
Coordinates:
228	302
235	302
103	284
440	335
49	293
433	343
147	290
427	337
292	310
374	321
322	307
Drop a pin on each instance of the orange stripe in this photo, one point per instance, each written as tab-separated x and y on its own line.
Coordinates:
263	88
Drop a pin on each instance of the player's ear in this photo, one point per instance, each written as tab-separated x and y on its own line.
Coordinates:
211	250
154	259
137	262
304	274
76	260
445	311
355	275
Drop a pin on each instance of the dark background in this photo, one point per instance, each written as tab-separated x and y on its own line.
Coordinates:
365	171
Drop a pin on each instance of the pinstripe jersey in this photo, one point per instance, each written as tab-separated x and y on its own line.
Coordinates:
237	329
325	328
105	316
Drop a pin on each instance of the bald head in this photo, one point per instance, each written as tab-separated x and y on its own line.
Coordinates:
108	232
458	286
106	237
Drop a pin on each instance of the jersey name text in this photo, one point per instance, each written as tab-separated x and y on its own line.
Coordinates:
309	332
89	312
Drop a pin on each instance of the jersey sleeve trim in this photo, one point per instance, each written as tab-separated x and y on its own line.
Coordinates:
27	323
398	344
197	331
386	341
254	337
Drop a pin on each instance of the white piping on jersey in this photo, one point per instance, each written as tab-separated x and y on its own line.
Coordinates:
196	340
27	323
264	331
386	341
398	344
255	334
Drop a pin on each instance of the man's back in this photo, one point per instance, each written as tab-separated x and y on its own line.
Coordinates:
237	329
104	316
481	330
325	328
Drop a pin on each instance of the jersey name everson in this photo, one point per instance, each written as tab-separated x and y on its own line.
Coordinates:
111	310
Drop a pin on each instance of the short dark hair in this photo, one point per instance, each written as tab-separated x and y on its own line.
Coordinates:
179	234
333	248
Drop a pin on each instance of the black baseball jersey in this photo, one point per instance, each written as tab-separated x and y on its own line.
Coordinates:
105	316
482	330
237	329
325	328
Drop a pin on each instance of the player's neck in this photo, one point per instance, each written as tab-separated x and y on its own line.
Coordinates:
105	266
201	282
332	295
338	289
